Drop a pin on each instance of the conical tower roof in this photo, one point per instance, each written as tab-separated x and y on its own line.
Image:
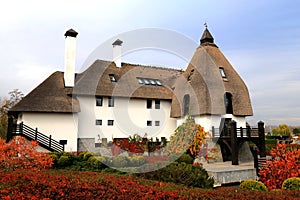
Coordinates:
206	86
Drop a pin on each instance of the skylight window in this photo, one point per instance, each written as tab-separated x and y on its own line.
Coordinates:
222	72
158	82
140	81
152	82
149	81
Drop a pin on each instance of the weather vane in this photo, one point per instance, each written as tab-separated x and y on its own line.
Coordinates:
205	24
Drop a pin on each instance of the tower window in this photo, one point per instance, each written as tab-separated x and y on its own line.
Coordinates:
222	72
186	104
228	103
157	123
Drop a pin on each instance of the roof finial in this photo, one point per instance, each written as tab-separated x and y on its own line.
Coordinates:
205	24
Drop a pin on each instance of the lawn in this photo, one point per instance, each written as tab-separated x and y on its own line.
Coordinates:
65	184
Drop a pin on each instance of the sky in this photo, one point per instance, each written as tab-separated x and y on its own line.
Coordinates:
261	39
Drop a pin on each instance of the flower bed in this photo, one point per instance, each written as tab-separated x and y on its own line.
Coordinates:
53	184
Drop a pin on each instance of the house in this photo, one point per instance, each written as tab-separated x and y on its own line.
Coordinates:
113	99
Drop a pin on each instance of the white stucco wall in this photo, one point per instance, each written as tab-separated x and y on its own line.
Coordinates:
60	126
130	116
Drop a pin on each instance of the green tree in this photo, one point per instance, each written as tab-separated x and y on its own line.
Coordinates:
296	131
282	130
5	104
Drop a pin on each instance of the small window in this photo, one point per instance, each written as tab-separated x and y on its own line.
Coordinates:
63	142
99	101
149	123
146	82
140	81
152	82
158	82
149	103
112	78
157	104
157	123
110	122
222	72
111	101
98	122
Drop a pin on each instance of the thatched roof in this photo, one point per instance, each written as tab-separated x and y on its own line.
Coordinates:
201	80
96	81
49	96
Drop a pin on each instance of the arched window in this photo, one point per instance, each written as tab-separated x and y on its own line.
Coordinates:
186	104
228	102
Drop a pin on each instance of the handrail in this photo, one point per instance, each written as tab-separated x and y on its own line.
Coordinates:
43	140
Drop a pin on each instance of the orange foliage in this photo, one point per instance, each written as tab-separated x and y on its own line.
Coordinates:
21	154
285	163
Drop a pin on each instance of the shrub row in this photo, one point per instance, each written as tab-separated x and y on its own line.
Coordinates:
288	184
181	173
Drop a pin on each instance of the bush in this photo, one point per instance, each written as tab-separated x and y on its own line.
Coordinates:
64	161
87	155
98	162
137	161
186	158
181	173
283	165
253	185
120	161
291	184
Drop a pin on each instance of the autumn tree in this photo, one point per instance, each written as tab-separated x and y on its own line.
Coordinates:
189	136
282	130
5	104
285	163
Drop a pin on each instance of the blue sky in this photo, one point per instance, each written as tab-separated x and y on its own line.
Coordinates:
261	39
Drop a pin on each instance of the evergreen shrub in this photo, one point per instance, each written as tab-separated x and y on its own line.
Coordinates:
291	184
253	185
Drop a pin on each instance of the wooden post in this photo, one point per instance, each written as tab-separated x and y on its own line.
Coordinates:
254	153
35	134
248	131
50	140
21	128
241	130
234	144
9	134
261	136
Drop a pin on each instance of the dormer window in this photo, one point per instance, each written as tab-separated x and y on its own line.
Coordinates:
112	78
222	72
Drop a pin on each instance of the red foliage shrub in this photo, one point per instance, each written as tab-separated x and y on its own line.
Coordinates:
19	153
285	163
90	185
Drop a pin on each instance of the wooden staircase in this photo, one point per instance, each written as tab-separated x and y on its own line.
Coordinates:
33	134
